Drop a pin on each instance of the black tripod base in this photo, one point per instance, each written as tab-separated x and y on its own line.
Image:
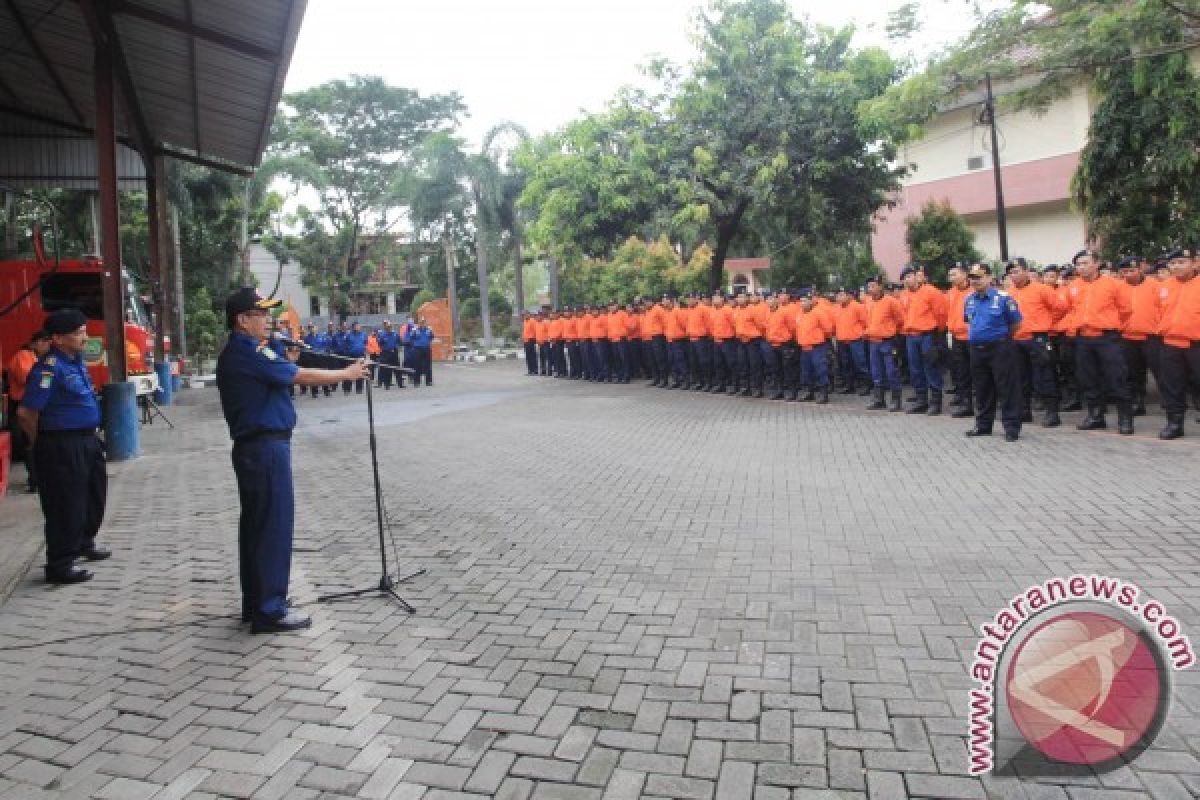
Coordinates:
386	586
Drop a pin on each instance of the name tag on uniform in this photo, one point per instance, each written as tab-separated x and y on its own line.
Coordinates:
47	379
268	352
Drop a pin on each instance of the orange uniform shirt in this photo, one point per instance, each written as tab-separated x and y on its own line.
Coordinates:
19	367
676	324
885	318
850	321
1145	308
956	301
598	326
555	330
699	322
570	330
643	331
924	310
781	325
814	327
1040	308
654	322
618	322
1181	315
1099	305
1066	324
746	324
529	330
721	323
543	331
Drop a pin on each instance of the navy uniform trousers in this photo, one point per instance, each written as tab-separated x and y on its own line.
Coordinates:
263	467
72	486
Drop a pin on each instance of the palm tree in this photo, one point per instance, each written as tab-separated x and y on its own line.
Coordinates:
437	197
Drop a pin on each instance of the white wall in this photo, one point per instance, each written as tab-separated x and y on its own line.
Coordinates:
1048	234
265	268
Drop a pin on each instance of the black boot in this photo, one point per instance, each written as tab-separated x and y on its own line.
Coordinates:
758	392
967	409
1027	414
877	401
849	387
778	394
922	403
1050	418
735	388
808	395
823	396
895	406
1075	404
866	390
935	403
1094	421
794	396
1125	419
1174	428
1139	404
747	392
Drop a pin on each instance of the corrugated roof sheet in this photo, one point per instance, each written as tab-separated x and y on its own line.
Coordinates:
206	74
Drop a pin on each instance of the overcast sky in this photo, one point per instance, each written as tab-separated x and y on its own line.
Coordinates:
536	62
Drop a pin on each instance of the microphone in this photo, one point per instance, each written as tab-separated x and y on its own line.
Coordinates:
279	337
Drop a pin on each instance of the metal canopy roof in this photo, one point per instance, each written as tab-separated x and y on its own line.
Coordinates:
197	79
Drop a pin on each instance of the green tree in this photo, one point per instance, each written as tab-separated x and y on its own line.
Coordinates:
203	326
353	142
439	204
937	237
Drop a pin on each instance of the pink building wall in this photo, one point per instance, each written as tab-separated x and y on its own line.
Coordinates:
1030	183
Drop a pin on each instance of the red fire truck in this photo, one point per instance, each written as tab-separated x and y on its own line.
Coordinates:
75	284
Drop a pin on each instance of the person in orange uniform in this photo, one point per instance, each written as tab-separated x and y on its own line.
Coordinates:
850	330
1179	358
885	318
17	371
749	329
542	337
924	338
699	343
813	328
558	352
1139	339
529	338
725	345
1040	308
963	404
1064	342
570	335
654	325
617	332
781	360
631	348
598	344
645	344
676	333
1101	307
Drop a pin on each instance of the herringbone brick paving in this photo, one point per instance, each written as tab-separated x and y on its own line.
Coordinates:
630	593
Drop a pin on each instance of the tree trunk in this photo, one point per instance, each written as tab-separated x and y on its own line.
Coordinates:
178	304
481	268
727	228
451	284
519	273
552	269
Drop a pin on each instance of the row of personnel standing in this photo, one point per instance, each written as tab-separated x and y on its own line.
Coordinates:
1084	335
410	346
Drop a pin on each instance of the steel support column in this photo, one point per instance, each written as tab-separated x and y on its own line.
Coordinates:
110	236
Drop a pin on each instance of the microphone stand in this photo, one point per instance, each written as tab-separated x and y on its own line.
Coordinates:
387	585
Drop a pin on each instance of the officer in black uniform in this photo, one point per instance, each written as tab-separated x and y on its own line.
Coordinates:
59	416
253	382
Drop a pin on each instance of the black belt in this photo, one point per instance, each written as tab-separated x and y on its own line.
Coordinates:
258	436
75	432
992	342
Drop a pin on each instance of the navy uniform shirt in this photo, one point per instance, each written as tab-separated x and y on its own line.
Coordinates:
989	317
319	342
60	390
253	381
388	339
356	344
422	336
338	343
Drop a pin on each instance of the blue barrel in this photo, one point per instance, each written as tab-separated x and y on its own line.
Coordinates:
120	421
162	395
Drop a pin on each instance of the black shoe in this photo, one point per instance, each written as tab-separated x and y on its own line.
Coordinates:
848	390
866	390
793	396
758	393
1051	419
96	553
778	395
1027	415
807	397
895	406
1094	421
919	408
878	404
1011	436
935	405
1173	429
823	397
67	576
963	412
1074	405
747	392
1125	424
291	621
979	432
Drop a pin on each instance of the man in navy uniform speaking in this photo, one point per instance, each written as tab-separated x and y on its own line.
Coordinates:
253	381
59	416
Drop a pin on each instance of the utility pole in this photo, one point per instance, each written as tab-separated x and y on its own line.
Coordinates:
989	111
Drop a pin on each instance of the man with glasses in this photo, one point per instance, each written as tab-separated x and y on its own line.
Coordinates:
253	381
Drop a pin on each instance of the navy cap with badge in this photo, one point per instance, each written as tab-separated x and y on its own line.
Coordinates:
246	299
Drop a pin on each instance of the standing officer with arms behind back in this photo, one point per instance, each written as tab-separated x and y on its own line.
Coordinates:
59	416
992	318
253	382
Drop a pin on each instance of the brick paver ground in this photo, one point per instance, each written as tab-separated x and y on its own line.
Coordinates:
630	593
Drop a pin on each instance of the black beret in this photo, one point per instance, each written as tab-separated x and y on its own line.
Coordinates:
909	269
1178	252
66	320
1085	252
